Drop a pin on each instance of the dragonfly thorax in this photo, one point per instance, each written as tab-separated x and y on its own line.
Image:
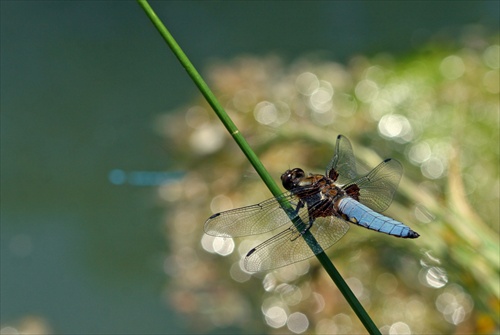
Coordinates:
311	188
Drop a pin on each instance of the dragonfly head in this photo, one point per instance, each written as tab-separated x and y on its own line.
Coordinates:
291	178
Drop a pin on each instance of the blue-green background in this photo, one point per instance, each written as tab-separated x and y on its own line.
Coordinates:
81	85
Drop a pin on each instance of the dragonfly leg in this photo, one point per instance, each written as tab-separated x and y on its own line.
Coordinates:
299	222
298	233
302	232
298	208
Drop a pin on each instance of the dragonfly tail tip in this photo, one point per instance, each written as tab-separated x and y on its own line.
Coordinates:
413	234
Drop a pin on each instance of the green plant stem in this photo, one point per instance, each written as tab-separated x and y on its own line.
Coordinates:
256	163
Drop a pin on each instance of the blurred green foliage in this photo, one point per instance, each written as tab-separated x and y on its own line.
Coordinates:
436	111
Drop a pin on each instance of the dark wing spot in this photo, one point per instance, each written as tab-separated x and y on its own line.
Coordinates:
251	252
332	174
214	216
352	191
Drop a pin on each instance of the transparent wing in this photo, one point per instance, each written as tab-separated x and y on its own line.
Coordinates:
343	161
251	220
378	186
289	246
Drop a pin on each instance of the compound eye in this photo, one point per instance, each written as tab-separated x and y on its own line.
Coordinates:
291	178
298	173
286	180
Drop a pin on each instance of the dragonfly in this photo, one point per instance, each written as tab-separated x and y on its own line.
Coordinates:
316	211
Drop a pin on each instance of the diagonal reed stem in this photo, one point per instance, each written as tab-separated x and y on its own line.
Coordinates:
256	163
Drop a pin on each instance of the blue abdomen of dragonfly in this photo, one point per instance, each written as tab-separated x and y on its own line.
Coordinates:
360	214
